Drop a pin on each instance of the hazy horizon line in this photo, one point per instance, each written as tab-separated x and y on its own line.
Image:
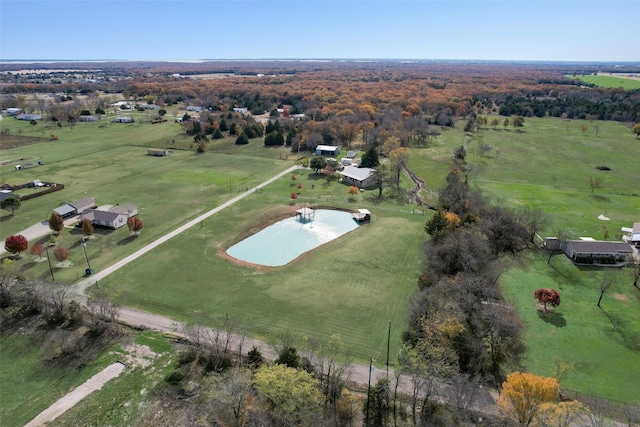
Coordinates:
407	60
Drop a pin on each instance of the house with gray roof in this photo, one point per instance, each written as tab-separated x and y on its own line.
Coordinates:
107	219
597	252
360	177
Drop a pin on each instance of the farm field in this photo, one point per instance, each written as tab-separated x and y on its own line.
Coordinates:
610	81
352	286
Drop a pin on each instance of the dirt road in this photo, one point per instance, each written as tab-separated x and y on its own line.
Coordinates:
70	399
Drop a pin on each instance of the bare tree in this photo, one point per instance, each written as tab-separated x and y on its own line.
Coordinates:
605	281
635	269
104	301
595	183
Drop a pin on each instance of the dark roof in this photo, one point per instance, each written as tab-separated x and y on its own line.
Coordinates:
599	247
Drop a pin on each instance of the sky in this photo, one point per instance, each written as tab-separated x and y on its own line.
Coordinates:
509	30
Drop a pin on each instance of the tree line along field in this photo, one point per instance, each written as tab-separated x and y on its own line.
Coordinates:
609	81
338	288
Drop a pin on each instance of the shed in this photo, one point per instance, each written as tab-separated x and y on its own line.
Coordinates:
157	152
14	111
29	117
123	119
362	215
83	204
360	177
351	154
327	150
88	118
66	210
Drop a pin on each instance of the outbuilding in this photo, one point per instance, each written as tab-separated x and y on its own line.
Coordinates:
327	150
360	177
123	119
597	252
157	152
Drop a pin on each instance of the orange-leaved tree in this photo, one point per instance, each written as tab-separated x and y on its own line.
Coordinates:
523	394
56	223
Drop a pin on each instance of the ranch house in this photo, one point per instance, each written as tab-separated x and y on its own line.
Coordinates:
327	150
360	177
597	252
105	219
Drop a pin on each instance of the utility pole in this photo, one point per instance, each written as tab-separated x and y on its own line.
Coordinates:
46	248
388	345
366	421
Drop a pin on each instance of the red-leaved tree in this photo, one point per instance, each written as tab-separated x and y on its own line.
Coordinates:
61	253
547	297
37	249
134	224
16	244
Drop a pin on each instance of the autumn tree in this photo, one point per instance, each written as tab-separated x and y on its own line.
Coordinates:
547	297
10	204
135	225
636	130
16	244
37	249
56	223
61	253
399	159
87	228
523	394
292	395
595	183
562	414
353	190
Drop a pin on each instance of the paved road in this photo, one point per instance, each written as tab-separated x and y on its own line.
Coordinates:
73	397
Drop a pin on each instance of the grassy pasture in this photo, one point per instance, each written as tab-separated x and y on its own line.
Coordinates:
603	346
28	388
609	81
351	286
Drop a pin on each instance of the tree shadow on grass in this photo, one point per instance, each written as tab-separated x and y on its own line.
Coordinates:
5	218
556	319
127	240
600	198
630	339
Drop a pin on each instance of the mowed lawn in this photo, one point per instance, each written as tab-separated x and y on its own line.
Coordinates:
601	345
351	286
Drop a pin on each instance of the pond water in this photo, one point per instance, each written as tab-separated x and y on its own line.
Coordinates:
285	240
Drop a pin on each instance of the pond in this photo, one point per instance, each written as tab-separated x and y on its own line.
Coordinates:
284	241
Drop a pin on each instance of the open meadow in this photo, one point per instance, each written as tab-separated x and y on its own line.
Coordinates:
355	284
610	81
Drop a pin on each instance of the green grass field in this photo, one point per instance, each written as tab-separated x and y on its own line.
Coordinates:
602	345
28	387
355	284
609	81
